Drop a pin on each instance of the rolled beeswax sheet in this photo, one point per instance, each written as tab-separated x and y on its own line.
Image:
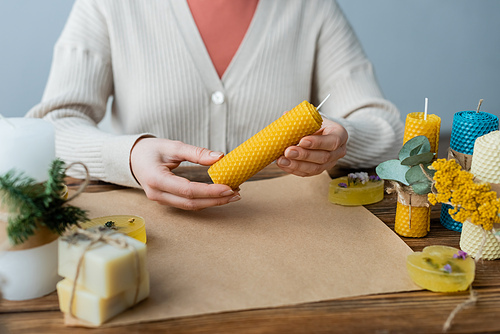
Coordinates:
282	244
468	126
416	125
486	158
266	146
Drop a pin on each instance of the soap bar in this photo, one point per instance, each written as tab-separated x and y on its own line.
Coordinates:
95	309
105	270
133	226
344	193
441	269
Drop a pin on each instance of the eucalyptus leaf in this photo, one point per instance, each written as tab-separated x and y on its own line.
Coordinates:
392	170
415	174
421	158
415	146
418	180
421	188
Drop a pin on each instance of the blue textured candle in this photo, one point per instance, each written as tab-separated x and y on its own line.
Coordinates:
467	127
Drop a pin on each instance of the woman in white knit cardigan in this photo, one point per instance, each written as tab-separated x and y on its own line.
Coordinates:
174	101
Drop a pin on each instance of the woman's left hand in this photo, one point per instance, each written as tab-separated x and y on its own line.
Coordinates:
317	152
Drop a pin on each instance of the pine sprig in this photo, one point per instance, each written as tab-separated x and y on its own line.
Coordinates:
32	205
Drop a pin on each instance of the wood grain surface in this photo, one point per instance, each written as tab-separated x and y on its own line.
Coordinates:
409	312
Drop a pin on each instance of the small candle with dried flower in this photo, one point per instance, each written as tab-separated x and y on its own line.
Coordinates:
441	269
356	189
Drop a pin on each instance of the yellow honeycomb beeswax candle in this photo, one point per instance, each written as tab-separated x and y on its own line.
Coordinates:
95	309
266	146
413	215
133	226
416	125
441	269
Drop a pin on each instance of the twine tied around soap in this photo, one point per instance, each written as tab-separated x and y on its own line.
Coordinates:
95	236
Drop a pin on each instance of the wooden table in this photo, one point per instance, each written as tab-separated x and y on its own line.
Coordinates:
409	312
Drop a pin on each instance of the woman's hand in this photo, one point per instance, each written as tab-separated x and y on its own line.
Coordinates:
152	161
317	152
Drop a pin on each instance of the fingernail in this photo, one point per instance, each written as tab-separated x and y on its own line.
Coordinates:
293	154
235	198
227	193
305	143
216	154
284	162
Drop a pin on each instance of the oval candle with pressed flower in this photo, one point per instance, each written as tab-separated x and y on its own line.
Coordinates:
133	226
346	193
441	269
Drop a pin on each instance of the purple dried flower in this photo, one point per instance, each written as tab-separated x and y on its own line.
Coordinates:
342	185
374	178
461	254
447	268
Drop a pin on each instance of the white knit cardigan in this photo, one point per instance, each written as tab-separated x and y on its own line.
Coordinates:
149	56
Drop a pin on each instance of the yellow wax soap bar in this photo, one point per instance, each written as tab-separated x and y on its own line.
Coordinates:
356	189
266	146
106	269
441	269
92	308
133	226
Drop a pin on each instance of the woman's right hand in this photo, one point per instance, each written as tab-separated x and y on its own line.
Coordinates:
152	161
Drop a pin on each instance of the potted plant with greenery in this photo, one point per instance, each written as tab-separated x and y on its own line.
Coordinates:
32	216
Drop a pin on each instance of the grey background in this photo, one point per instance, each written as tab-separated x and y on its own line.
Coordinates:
446	50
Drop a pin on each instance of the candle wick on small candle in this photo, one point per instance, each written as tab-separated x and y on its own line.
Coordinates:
479	105
7	121
326	98
425	110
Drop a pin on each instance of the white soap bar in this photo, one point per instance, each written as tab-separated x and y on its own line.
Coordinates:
106	270
94	309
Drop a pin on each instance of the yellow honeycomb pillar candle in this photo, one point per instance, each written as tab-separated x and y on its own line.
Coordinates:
413	214
418	125
266	146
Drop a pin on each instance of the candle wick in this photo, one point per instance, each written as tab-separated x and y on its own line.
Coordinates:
425	110
7	121
479	105
326	98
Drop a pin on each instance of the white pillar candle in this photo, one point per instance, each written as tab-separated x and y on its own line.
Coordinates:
27	145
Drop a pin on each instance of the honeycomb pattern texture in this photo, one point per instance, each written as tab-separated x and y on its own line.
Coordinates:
415	125
471	239
468	126
266	146
420	220
486	157
447	221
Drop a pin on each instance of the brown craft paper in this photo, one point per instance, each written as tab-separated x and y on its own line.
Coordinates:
464	160
282	244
